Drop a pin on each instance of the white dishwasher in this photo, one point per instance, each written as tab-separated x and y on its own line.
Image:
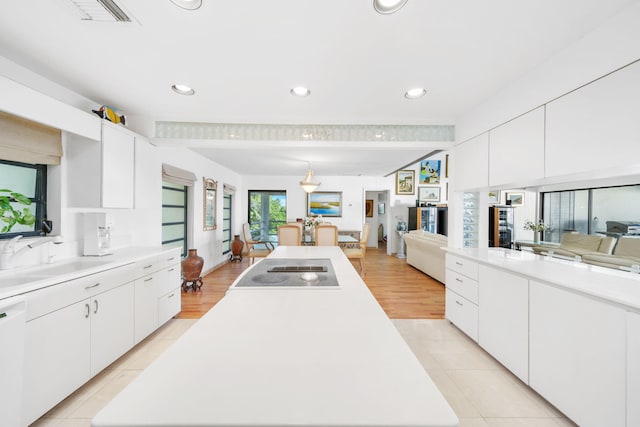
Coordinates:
12	322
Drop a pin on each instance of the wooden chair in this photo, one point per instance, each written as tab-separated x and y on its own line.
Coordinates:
289	235
326	235
253	252
360	252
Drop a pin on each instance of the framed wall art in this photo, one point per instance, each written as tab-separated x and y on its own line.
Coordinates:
430	172
368	208
515	198
428	194
325	203
493	197
209	203
405	182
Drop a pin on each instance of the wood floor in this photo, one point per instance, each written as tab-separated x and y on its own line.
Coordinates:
401	290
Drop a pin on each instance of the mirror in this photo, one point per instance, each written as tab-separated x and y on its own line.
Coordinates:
209	204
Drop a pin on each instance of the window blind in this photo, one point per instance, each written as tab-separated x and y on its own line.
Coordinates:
25	141
176	175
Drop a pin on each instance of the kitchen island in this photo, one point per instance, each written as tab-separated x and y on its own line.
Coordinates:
274	356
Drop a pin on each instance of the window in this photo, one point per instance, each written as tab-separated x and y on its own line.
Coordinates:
608	210
174	216
226	222
267	210
31	181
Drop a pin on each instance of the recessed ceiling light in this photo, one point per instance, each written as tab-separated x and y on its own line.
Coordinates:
300	91
388	6
182	89
414	93
188	4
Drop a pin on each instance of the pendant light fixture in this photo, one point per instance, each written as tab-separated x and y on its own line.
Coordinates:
308	184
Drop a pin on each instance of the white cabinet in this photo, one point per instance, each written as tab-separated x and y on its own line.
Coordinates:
633	369
471	162
461	296
111	326
601	116
101	173
516	150
503	318
146	305
74	330
577	355
169	302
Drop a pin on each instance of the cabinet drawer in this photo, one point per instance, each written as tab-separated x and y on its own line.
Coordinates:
169	278
463	266
462	285
55	297
168	306
462	313
146	266
169	258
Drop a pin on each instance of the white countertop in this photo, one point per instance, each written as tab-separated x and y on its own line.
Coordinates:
21	280
613	285
295	357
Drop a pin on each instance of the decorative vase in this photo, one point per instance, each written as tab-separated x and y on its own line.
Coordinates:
236	246
536	237
192	266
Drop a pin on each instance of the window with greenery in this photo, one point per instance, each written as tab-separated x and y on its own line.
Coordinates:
23	206
607	210
267	210
226	222
174	216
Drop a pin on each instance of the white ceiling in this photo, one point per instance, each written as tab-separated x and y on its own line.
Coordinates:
243	56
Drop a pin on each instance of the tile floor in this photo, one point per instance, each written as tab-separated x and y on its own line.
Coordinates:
480	390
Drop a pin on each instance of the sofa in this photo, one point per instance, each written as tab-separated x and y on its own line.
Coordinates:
572	244
424	253
625	254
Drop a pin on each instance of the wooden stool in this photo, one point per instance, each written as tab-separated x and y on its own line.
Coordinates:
193	284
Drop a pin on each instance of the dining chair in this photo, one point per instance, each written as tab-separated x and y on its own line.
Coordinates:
359	252
289	235
261	251
326	235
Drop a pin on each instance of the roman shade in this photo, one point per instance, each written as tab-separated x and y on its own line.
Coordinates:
176	175
25	141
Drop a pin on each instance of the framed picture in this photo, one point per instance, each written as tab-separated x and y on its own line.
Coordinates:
325	203
428	194
515	198
380	208
446	166
405	182
493	197
209	187
430	172
368	208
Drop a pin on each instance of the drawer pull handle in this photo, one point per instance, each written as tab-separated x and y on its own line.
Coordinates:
95	302
459	280
148	266
459	303
459	263
88	311
149	279
171	269
92	286
171	296
171	259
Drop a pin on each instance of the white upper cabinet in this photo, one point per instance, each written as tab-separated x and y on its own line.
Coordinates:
101	173
516	150
595	127
471	164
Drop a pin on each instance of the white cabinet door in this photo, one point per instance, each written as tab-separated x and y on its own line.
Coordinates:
118	147
146	305
503	321
577	355
170	278
601	117
633	369
168	306
516	150
462	313
112	321
56	358
471	163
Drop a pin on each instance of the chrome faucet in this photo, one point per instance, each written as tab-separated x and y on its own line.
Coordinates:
8	254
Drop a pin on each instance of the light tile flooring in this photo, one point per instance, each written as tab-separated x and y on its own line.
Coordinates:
480	390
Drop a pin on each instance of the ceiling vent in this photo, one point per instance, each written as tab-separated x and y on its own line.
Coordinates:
99	10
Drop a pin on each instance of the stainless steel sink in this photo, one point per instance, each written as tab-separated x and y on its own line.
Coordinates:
290	272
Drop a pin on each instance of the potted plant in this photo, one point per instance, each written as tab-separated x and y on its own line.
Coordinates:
537	227
11	216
